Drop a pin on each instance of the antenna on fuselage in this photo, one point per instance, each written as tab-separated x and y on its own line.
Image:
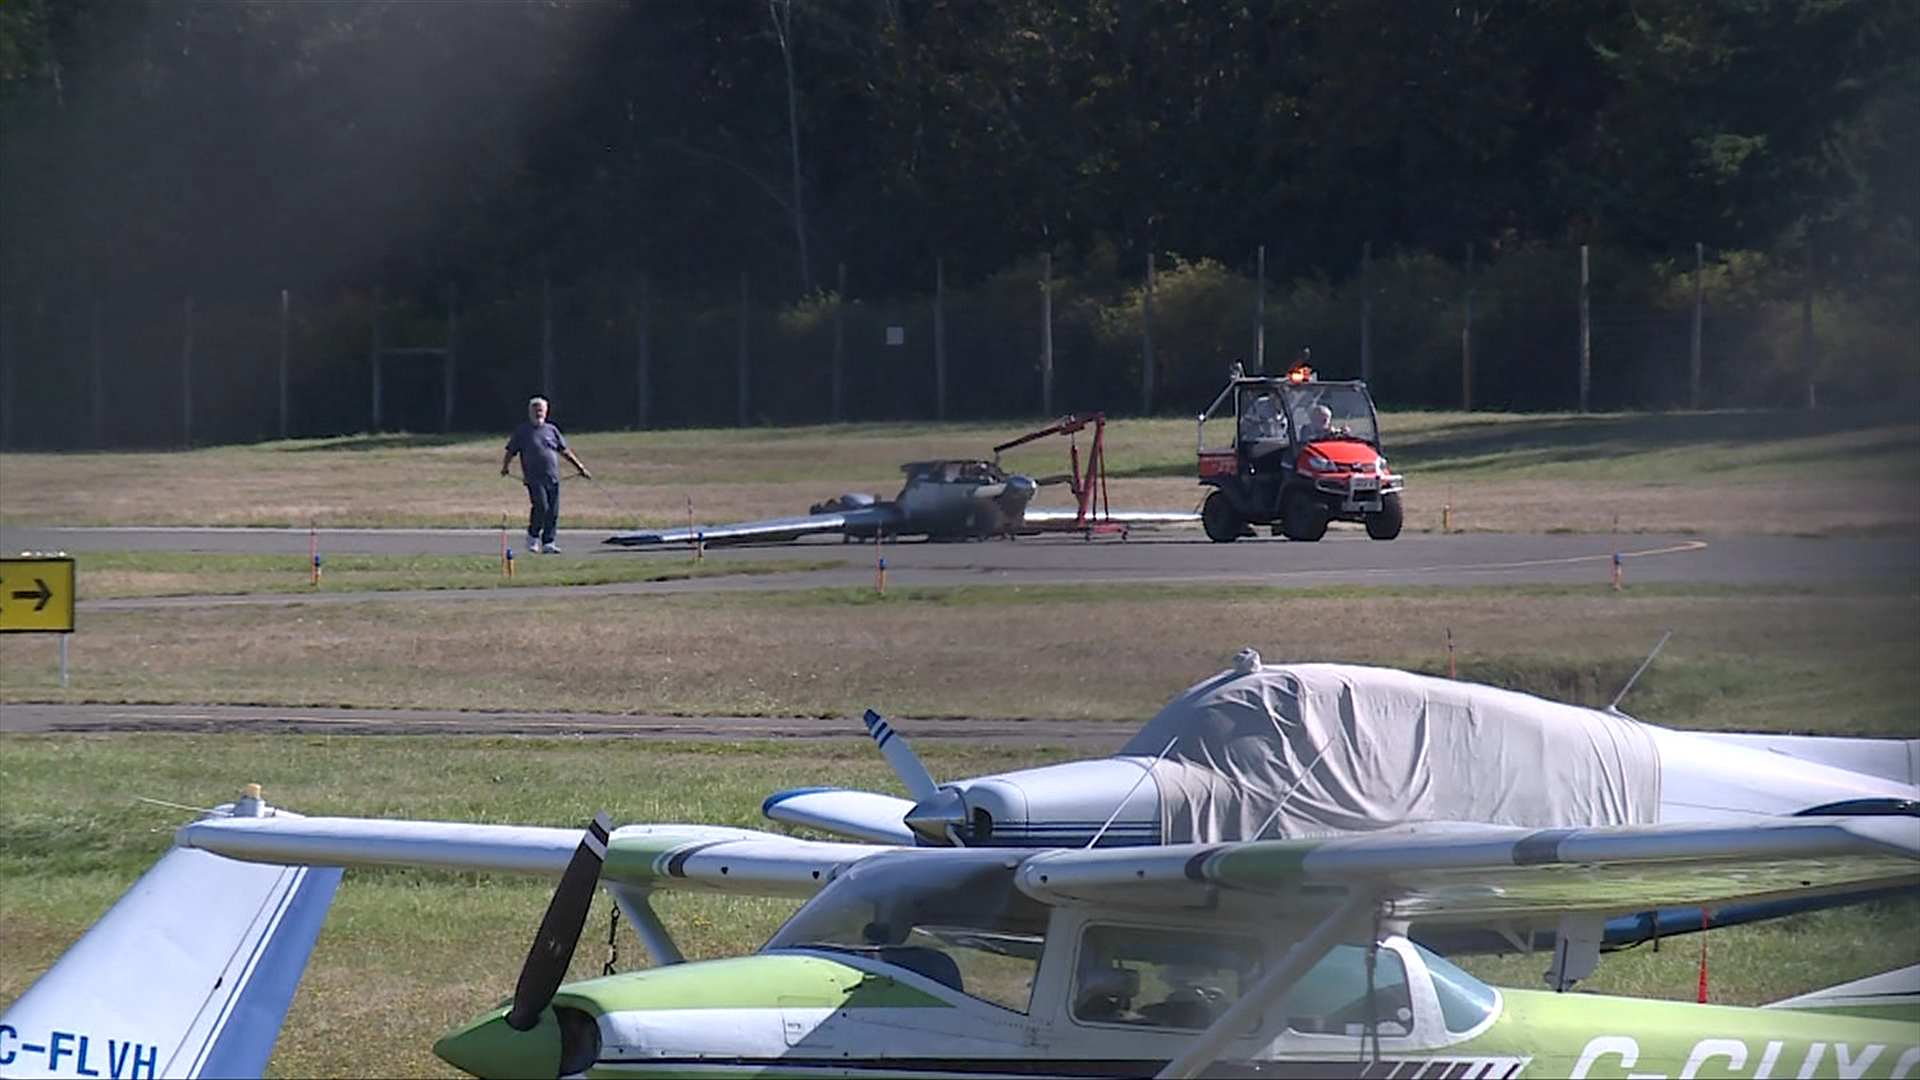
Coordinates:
1614	705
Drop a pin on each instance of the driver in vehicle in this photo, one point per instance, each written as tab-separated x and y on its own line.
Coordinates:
1318	423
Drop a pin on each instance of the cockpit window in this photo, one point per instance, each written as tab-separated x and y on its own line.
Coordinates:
952	916
1336	997
1160	978
1465	1002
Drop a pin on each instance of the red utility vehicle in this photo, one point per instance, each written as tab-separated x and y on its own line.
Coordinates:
1304	452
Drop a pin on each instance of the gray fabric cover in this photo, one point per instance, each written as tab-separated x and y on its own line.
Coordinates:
1342	748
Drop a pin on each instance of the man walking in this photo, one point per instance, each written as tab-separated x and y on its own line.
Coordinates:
540	446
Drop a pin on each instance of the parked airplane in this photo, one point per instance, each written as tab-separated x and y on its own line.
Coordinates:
1254	958
1264	751
947	499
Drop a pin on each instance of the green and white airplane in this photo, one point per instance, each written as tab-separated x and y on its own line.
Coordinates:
1262	958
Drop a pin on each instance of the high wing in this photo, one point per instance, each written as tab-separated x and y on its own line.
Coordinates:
698	857
189	974
863	520
1469	873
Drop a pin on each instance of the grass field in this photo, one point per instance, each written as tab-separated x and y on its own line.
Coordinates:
1807	473
407	955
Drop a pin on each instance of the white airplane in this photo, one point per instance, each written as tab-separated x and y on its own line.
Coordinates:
1279	751
1280	957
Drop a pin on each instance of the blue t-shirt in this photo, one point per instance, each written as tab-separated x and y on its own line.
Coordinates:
539	447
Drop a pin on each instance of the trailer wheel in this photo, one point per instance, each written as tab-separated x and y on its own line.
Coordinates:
1218	517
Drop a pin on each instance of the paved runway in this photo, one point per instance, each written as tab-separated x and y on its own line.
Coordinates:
1343	558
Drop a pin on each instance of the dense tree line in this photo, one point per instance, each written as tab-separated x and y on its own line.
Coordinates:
153	146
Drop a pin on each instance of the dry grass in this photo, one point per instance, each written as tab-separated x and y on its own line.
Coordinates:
1789	472
1739	658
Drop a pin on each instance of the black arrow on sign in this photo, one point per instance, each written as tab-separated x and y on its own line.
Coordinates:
45	594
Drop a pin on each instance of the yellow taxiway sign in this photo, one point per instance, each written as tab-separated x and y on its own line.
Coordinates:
36	594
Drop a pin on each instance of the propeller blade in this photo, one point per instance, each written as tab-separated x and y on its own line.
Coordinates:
566	916
905	763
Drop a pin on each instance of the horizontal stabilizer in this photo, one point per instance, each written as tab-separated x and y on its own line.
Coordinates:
862	815
189	974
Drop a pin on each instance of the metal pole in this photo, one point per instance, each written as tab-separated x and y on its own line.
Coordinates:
1806	325
1260	310
840	344
546	336
1366	311
97	355
1466	340
642	352
65	639
452	362
1146	342
373	356
939	338
740	366
286	307
1693	352
1586	331
186	374
6	378
1046	334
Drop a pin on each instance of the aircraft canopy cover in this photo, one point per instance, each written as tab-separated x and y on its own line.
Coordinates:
1302	750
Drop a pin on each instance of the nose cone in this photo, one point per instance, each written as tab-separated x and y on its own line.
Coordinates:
486	1047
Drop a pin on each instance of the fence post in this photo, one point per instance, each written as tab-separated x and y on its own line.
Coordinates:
6	378
1046	333
939	338
449	369
746	297
1586	331
1366	311
546	336
186	374
1806	325
286	308
1693	350
1146	342
840	344
1260	310
97	358
642	352
373	355
1466	340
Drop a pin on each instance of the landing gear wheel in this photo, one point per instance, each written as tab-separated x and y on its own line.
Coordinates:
1305	517
1385	525
1217	516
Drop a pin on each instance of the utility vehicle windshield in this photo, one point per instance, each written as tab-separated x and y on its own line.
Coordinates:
1332	411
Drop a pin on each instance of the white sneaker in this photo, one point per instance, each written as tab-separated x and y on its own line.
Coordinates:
552	548
533	544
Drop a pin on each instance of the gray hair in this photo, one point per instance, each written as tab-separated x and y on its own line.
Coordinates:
537	400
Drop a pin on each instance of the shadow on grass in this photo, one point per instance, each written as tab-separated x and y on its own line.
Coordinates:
400	440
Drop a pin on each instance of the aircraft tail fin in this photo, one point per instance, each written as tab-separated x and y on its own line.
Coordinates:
189	974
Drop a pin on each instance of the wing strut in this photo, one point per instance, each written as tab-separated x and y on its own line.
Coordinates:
1353	914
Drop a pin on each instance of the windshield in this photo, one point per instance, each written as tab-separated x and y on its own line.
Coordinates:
1333	411
952	916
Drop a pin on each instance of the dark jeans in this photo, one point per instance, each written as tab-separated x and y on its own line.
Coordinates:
544	517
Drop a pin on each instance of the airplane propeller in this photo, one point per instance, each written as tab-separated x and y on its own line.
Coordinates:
938	815
553	945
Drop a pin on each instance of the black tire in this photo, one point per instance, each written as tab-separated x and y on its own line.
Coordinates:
1219	518
1385	525
1305	517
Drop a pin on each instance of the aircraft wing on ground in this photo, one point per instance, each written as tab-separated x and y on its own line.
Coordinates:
1464	873
857	521
1044	519
698	857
